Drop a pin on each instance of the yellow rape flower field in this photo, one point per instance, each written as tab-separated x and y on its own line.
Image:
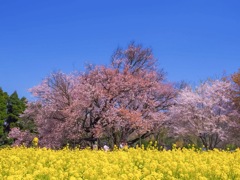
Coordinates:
35	163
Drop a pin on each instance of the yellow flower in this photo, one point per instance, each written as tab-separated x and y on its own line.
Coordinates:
42	163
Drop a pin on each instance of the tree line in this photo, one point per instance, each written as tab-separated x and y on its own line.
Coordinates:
129	101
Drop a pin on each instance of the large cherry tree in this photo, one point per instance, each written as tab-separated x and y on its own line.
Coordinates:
126	101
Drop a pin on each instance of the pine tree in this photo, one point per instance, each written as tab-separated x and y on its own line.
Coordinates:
15	107
3	115
10	109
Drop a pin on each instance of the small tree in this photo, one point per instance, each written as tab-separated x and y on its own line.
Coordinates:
235	79
204	112
236	91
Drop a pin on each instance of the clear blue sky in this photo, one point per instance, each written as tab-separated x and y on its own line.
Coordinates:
193	40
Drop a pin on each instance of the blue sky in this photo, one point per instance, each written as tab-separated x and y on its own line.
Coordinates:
192	40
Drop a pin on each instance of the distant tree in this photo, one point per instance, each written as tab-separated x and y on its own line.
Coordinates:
124	102
236	92
235	79
15	107
3	115
204	112
11	107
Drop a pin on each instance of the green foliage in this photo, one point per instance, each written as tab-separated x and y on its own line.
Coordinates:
3	104
11	107
3	114
15	107
231	147
27	124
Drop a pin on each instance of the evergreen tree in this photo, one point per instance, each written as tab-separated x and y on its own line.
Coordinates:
15	107
11	107
3	115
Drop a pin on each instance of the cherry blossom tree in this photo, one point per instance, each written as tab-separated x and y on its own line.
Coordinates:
204	112
135	58
20	137
123	102
50	111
